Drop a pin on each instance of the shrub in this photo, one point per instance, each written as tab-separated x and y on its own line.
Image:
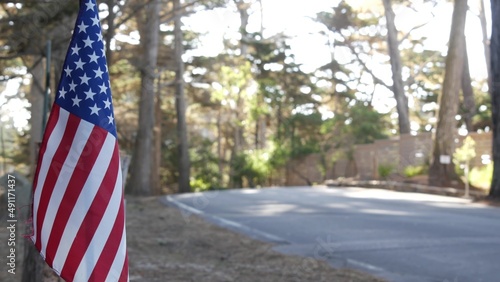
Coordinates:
414	170
384	170
198	185
253	165
481	176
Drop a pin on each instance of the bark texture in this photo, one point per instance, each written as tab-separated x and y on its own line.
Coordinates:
495	95
486	41
140	178
396	67
442	174
180	104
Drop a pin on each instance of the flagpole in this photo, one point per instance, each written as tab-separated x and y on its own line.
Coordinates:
46	99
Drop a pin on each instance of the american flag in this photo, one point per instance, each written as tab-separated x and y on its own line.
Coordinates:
78	212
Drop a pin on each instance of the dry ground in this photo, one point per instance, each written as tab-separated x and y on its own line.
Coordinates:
166	245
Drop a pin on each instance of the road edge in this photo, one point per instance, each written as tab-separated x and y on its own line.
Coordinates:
225	223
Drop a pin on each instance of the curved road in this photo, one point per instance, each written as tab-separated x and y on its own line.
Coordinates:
403	237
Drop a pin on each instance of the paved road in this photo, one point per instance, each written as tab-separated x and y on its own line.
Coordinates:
405	237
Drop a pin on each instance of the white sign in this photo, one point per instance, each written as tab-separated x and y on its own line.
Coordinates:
445	159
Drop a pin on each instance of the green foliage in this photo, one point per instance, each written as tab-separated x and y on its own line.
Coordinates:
482	118
253	165
384	170
466	152
361	124
411	170
233	81
204	167
481	176
343	18
198	185
463	155
367	125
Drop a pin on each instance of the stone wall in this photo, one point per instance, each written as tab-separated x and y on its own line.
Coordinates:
400	152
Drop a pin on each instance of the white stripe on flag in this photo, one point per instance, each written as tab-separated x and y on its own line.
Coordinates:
52	145
96	246
81	136
121	254
85	199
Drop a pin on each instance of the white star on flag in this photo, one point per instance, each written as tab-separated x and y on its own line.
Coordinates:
93	58
90	6
98	73
75	50
88	42
89	94
85	79
82	27
107	104
76	101
94	110
79	64
67	70
99	37
62	93
95	21
111	119
72	86
104	88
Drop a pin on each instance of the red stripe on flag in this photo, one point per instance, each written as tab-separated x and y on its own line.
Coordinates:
92	219
109	251
58	160
51	124
80	174
124	275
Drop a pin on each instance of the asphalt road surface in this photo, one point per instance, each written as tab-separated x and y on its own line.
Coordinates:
397	236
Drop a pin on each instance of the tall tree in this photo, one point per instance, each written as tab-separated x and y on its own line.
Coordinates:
396	66
140	182
239	130
495	95
486	42
110	32
442	174
180	103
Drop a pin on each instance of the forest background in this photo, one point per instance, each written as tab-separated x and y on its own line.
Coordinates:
212	94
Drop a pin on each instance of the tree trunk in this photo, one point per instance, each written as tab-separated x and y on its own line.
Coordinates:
157	156
442	174
219	146
486	42
243	7
110	32
238	129
495	95
239	141
469	103
397	80
140	179
180	104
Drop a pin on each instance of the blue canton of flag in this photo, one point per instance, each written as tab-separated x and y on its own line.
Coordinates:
84	88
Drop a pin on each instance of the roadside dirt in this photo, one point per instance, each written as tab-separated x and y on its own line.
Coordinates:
167	245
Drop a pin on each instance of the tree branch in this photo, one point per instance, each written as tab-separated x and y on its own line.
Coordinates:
365	67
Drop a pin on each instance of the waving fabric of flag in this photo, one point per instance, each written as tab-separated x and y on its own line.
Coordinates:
78	212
